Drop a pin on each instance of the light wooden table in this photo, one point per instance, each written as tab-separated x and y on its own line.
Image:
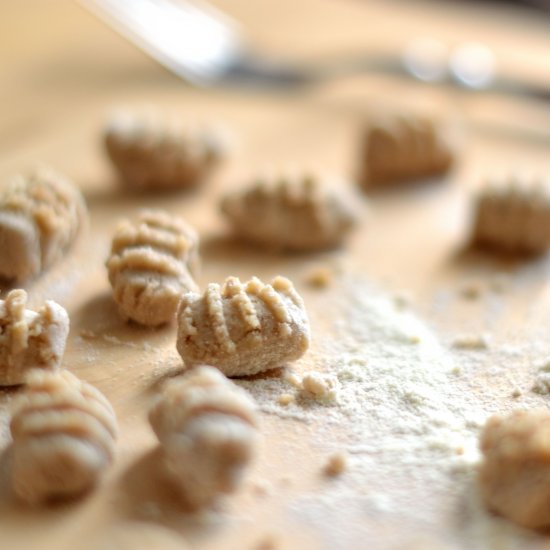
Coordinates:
61	73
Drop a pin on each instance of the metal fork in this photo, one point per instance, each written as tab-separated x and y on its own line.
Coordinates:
205	47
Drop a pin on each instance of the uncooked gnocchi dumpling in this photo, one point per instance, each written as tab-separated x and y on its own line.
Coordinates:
291	213
207	428
514	476
403	148
40	218
243	328
151	154
30	339
64	433
513	218
153	261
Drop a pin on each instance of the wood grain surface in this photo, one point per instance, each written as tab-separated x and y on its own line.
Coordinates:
62	71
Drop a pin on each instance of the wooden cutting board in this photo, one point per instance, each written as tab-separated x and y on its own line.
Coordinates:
63	71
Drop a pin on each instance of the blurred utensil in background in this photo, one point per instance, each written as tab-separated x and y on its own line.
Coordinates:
205	47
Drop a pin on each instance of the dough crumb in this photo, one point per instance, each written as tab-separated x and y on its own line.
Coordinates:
287	481
543	365
261	488
30	339
471	342
471	290
41	216
64	433
515	466
500	283
402	299
285	399
291	213
320	277
152	262
403	147
336	465
243	328
207	429
513	217
269	542
323	387
542	383
152	154
516	392
293	379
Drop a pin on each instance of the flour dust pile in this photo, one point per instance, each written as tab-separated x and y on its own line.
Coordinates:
406	421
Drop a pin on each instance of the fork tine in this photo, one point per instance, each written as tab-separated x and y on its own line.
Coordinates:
193	40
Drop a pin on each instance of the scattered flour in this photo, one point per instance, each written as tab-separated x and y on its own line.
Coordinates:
386	384
400	412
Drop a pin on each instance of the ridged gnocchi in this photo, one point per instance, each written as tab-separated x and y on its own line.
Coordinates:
401	148
514	474
291	213
512	218
152	262
243	328
207	428
151	154
30	339
40	218
64	433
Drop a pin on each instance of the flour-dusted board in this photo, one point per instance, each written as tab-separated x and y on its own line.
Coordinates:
409	405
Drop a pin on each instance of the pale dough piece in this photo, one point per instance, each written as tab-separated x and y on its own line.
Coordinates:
40	218
207	428
398	148
323	387
470	342
152	262
336	464
64	433
513	218
241	328
514	477
151	154
30	339
320	277
291	213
